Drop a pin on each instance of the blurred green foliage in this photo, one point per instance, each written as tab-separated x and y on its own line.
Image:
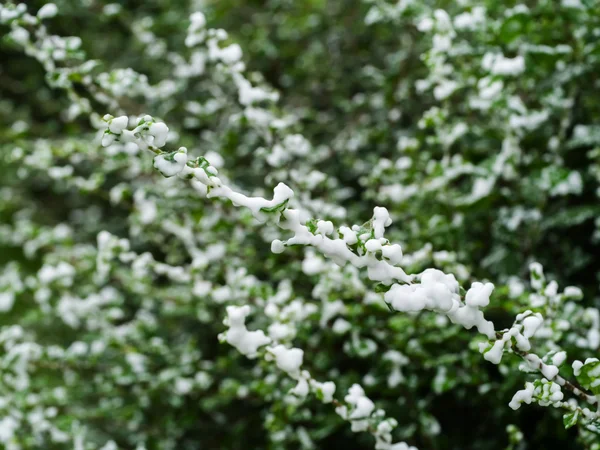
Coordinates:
345	81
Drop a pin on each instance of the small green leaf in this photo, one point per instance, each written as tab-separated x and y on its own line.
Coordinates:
319	394
589	376
570	419
380	287
276	208
312	225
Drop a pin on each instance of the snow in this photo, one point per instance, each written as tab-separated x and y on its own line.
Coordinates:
325	227
362	407
47	11
63	272
498	64
522	396
494	354
277	246
470	20
20	35
160	132
381	220
7	300
443	90
171	164
287	359
573	292
118	124
327	389
198	21
479	294
245	341
373	245
393	253
531	325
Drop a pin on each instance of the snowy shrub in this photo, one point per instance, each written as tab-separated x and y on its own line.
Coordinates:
338	224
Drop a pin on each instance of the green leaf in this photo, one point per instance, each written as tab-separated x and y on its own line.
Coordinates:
276	208
570	419
319	394
571	216
380	287
312	225
589	376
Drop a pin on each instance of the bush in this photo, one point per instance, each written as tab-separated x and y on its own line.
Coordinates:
326	227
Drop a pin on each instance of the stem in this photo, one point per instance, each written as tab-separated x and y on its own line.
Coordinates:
563	382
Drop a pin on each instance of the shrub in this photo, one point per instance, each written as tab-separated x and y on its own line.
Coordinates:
326	227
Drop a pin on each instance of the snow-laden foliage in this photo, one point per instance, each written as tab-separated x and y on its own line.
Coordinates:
355	224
